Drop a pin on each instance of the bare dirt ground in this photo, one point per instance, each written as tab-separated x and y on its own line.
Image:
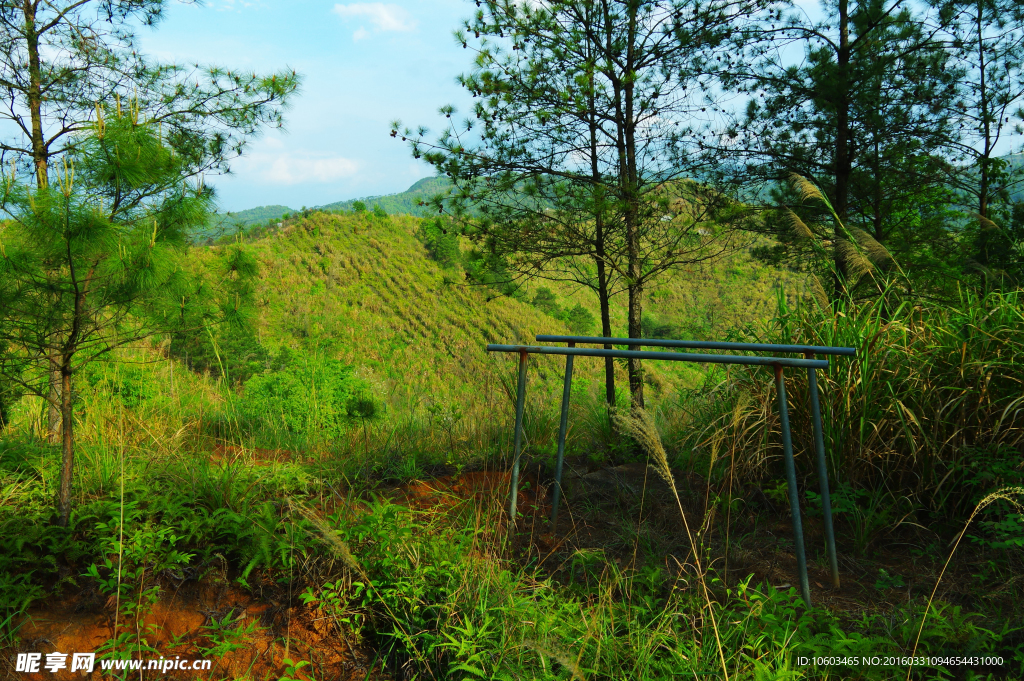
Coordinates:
625	513
264	633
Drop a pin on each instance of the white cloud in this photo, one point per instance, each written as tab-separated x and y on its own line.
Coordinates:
272	142
383	17
360	34
228	5
299	167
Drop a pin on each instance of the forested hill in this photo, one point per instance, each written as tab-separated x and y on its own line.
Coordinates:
403	203
228	223
366	290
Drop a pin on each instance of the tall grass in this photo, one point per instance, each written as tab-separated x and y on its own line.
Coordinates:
449	594
931	386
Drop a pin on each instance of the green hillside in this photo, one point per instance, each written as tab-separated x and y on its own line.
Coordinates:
365	290
256	215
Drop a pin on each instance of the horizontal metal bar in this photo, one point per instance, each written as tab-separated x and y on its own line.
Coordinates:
670	356
698	345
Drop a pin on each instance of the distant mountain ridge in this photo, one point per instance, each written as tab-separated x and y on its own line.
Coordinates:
220	224
403	203
408	202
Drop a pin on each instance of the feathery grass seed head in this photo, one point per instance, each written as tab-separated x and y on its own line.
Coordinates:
807	189
639	425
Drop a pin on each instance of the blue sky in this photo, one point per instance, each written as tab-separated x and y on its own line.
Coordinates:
363	64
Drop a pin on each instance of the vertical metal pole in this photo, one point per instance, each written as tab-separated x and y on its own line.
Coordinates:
562	428
520	401
819	448
794	499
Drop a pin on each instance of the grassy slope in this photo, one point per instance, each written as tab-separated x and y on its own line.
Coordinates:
367	292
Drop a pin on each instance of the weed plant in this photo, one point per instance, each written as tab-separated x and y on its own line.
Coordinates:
187	477
437	595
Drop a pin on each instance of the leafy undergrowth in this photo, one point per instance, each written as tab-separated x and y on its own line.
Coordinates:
257	551
352	515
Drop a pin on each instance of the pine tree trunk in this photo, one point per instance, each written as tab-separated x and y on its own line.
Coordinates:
599	247
630	182
35	95
634	366
985	167
67	450
53	410
843	162
606	331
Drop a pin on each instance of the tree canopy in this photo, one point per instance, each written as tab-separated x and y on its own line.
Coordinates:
61	62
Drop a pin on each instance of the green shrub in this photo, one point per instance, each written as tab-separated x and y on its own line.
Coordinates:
930	384
578	318
546	301
441	241
306	395
127	383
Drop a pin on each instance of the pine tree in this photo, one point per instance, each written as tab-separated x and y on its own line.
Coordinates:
89	262
860	113
60	60
582	168
986	40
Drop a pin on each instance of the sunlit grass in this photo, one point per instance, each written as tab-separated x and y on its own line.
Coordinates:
173	472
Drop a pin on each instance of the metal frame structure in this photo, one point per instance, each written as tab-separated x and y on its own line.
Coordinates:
778	363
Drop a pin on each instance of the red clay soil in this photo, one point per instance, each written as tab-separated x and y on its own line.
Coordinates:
176	629
478	486
533	535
